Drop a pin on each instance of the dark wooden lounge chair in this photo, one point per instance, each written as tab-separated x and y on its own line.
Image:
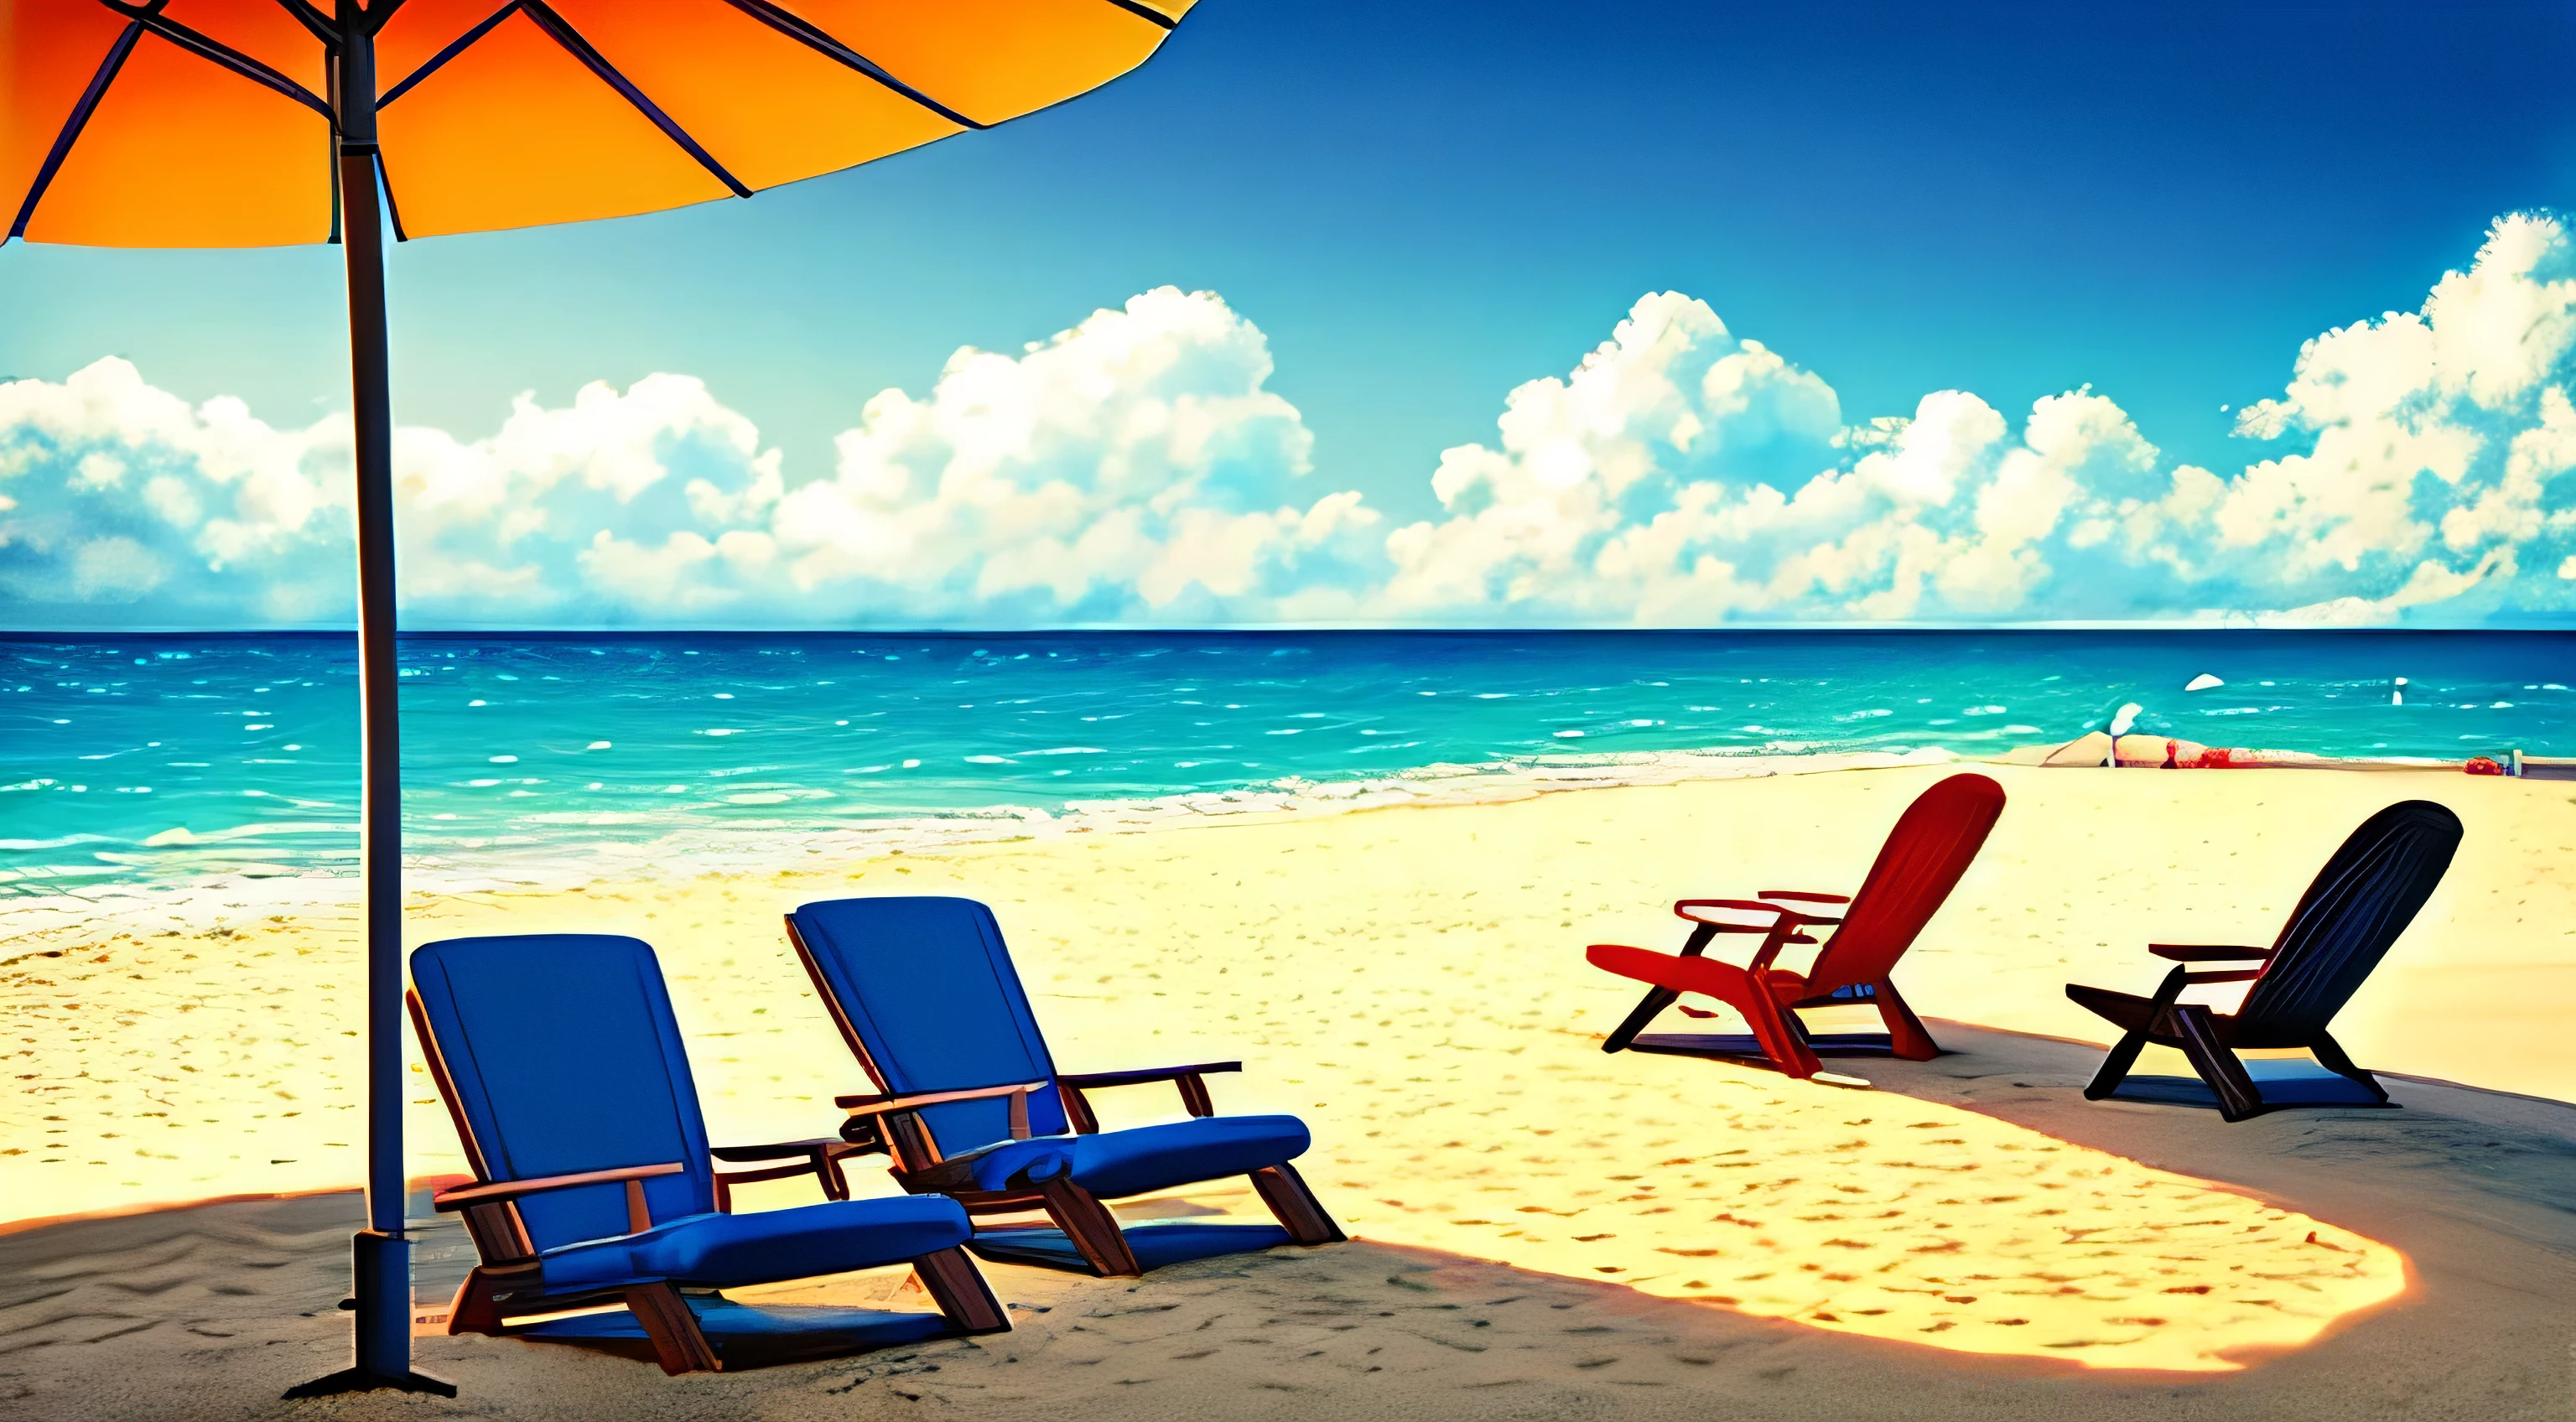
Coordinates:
970	1105
2361	901
1933	843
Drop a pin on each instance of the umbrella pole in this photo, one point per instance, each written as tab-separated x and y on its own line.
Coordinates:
380	1254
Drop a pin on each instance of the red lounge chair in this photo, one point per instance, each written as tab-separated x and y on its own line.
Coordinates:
1931	846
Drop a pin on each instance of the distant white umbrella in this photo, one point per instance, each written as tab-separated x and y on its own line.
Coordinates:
2121	721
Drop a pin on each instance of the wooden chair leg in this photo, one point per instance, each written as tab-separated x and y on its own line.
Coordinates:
678	1343
1656	1000
2115	1067
2238	1097
1784	1044
1905	1031
1295	1205
958	1287
475	1309
1648	1009
2330	1055
1090	1226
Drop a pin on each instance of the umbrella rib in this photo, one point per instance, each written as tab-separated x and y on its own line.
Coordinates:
564	34
439	60
804	32
1148	12
221	55
313	20
78	120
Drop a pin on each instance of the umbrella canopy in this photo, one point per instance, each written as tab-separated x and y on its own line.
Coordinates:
256	123
211	123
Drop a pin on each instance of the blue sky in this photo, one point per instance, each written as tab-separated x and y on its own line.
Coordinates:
1412	211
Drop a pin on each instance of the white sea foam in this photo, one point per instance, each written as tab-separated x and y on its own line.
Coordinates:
36	901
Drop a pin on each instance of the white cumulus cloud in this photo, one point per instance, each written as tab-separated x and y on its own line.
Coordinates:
1133	468
121	504
1137	468
1681	475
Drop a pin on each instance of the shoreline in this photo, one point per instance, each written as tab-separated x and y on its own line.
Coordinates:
1437	785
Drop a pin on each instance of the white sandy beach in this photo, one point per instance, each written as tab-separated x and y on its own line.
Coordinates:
1412	983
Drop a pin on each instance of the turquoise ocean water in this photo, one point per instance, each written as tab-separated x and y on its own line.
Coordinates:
162	759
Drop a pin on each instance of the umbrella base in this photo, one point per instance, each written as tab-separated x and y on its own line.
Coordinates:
369	1380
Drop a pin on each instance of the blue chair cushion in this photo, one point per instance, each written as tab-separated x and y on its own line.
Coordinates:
727	1251
565	1057
1143	1159
927	986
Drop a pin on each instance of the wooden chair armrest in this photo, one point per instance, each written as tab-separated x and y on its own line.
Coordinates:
783	1150
2232	975
820	1158
1782	915
889	1107
1191	1081
1091	1080
1804	896
1692	910
2206	952
492	1192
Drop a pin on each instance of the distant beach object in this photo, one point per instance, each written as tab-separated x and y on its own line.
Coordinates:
2202	682
2398	696
716	100
2360	902
2121	721
2543	767
2482	765
926	998
1932	844
2092	749
560	1049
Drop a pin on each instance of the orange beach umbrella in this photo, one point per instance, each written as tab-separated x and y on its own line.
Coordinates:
254	123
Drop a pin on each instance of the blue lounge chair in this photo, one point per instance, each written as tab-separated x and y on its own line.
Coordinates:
559	1060
2345	923
924	993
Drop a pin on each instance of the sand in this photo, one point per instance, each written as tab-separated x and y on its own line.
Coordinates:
210	1312
1411	981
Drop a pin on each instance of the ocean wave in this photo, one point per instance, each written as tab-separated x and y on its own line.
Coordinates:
847	751
191	880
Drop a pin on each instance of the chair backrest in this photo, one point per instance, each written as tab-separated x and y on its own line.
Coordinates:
2361	901
925	994
557	1053
1933	843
